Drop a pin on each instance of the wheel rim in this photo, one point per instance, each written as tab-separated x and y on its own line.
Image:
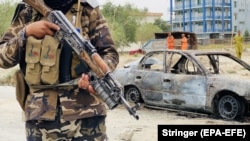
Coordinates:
133	95
228	107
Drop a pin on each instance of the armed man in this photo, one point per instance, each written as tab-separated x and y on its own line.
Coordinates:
52	85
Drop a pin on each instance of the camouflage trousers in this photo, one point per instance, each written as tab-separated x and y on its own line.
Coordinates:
86	129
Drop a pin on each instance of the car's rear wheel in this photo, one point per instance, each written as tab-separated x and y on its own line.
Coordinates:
230	107
133	95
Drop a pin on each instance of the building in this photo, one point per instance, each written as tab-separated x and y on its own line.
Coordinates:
210	18
241	11
151	17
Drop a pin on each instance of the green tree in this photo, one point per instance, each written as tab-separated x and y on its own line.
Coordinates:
7	9
119	36
125	19
163	25
146	32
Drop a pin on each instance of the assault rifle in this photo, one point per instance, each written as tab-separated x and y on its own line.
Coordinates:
101	78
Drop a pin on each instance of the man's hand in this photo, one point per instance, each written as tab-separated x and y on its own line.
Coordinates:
83	83
41	28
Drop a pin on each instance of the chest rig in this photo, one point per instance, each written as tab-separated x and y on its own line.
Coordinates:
50	62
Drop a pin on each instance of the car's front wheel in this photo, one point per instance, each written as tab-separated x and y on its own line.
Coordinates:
132	94
230	107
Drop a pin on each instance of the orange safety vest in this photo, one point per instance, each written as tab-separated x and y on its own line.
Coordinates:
170	42
184	43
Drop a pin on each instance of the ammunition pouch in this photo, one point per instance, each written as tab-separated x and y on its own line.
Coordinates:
22	89
50	56
42	58
32	58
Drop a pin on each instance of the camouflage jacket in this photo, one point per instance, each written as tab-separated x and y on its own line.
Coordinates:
75	103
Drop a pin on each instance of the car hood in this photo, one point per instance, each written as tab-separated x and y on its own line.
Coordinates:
132	65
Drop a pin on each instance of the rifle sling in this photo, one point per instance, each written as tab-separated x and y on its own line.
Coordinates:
73	82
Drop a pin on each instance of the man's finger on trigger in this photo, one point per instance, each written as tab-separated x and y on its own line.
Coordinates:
55	27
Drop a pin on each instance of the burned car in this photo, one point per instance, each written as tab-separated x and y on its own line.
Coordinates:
210	82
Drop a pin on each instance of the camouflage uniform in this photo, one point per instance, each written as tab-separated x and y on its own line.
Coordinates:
61	114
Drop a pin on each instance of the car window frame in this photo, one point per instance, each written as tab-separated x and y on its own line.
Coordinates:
186	59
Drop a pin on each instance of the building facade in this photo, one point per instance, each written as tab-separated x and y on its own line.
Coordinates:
151	17
210	18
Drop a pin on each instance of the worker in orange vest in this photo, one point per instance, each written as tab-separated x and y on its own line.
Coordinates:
170	41
184	42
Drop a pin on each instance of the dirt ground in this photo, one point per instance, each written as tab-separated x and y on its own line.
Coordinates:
120	125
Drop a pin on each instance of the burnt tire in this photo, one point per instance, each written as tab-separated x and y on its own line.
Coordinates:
133	95
230	107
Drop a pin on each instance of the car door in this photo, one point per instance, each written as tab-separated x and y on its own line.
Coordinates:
162	83
149	78
188	82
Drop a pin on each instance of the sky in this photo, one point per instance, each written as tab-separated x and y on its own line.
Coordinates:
157	6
